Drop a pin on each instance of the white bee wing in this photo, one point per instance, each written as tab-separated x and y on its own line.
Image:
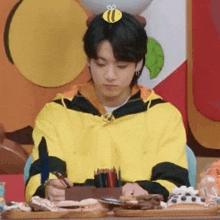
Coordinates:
113	7
109	7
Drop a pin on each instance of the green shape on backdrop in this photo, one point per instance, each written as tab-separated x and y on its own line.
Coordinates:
154	59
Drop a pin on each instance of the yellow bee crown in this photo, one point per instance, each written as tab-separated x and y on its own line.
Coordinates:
112	15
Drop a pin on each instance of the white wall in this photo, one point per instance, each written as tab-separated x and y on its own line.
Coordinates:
166	23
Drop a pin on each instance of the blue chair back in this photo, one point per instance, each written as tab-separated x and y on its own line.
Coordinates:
27	168
192	166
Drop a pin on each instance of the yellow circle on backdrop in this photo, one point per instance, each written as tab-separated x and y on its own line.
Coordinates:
45	41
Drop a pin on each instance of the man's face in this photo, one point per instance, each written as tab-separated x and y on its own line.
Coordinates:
112	78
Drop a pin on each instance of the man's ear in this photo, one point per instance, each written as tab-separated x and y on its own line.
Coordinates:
88	61
139	65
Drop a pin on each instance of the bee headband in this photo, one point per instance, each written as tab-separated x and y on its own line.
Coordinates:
113	15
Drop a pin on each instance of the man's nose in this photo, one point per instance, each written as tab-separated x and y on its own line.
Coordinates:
110	73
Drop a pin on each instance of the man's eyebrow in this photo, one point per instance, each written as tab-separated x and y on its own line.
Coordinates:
116	61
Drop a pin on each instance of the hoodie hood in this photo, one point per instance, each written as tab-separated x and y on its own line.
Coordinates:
83	98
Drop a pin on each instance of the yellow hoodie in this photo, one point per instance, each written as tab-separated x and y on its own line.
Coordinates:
74	135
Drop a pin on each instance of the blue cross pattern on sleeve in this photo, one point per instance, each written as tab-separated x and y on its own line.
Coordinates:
44	161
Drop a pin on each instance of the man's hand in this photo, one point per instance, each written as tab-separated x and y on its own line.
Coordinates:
133	189
55	189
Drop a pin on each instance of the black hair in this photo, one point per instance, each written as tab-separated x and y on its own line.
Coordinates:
127	37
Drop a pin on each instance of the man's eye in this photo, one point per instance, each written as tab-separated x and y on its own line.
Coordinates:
122	67
100	64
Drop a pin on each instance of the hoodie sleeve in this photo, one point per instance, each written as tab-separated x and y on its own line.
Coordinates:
47	154
170	168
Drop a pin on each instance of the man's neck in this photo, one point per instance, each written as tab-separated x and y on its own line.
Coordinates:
114	101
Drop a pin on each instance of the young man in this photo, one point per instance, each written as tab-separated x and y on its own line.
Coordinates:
110	121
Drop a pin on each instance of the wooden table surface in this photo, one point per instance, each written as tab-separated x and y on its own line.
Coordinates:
112	217
151	218
210	214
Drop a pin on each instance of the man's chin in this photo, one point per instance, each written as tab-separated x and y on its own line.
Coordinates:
111	94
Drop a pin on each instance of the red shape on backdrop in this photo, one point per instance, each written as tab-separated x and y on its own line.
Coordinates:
173	89
206	54
14	187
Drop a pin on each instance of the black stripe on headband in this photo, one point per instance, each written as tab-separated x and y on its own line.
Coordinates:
109	12
113	15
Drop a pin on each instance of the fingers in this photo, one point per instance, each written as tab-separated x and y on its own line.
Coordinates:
68	182
60	183
57	183
56	198
128	189
129	193
54	193
55	189
133	189
140	192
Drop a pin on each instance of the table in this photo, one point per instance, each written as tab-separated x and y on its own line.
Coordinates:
152	218
112	217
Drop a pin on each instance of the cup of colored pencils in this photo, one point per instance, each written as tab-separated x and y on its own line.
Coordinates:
107	178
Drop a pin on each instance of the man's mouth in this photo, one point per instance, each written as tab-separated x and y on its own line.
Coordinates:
107	86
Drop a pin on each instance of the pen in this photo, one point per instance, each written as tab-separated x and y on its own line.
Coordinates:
106	178
62	177
102	180
96	179
114	177
110	178
119	177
